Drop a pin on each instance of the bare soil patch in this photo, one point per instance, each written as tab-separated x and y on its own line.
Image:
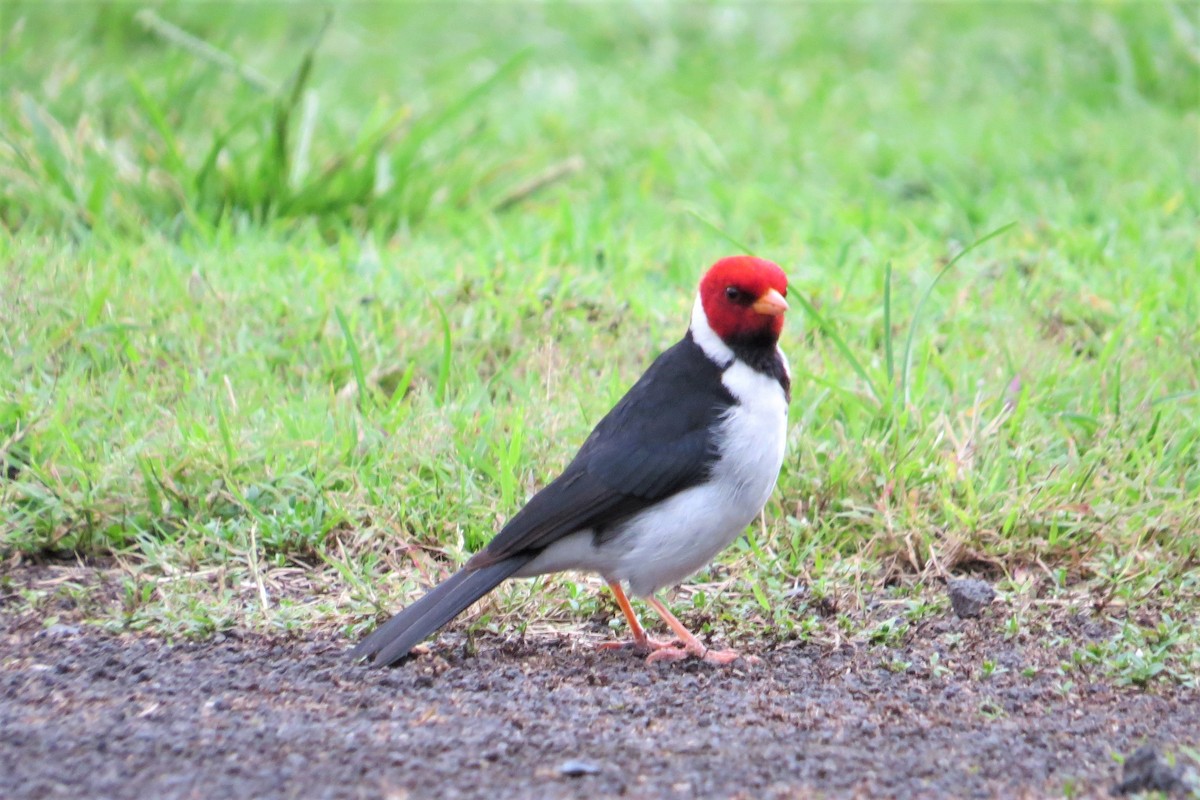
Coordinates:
85	713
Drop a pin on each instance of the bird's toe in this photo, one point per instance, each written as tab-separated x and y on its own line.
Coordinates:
646	645
718	657
723	657
667	655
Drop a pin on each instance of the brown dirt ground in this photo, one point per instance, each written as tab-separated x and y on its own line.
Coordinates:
89	714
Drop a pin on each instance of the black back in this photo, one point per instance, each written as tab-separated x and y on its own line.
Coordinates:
658	440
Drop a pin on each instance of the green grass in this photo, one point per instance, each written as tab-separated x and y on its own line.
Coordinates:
289	346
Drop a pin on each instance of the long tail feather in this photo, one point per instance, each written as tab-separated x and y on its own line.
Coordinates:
391	641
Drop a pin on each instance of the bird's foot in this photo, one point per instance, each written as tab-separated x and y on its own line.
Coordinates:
644	645
718	657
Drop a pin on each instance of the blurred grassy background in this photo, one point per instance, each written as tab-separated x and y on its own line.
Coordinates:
491	217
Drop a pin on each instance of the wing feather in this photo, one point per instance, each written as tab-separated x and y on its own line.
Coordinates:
658	440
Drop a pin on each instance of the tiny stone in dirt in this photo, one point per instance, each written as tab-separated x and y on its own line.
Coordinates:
969	596
575	768
1147	771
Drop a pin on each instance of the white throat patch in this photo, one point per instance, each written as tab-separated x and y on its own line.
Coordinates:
706	337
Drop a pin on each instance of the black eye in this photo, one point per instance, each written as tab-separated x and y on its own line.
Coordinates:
733	293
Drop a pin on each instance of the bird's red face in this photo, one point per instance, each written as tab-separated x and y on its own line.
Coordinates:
743	298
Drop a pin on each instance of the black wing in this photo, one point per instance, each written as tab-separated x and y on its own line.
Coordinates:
658	440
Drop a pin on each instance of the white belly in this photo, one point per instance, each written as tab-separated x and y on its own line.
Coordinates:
662	546
667	542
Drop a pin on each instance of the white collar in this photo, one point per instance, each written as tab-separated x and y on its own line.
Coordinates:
702	334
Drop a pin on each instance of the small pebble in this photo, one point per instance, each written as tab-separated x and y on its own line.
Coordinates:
58	630
574	768
1147	771
969	596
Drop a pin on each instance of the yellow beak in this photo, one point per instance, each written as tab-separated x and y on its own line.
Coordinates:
770	304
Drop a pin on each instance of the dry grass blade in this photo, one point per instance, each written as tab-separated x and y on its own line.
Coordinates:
547	177
205	51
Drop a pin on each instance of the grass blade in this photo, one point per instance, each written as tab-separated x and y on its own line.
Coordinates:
360	375
290	94
1175	397
889	356
54	161
443	377
712	226
912	328
226	434
424	129
841	345
173	157
203	50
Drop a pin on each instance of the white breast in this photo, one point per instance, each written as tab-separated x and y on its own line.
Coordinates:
669	541
665	544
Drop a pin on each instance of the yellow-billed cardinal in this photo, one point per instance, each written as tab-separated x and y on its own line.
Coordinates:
669	478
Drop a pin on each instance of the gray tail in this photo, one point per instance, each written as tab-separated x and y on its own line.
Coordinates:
392	640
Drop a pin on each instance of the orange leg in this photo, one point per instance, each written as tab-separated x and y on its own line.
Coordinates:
691	645
640	640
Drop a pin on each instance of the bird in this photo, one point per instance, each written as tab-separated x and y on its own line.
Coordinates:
670	477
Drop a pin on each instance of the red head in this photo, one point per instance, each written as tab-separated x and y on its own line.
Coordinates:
743	300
